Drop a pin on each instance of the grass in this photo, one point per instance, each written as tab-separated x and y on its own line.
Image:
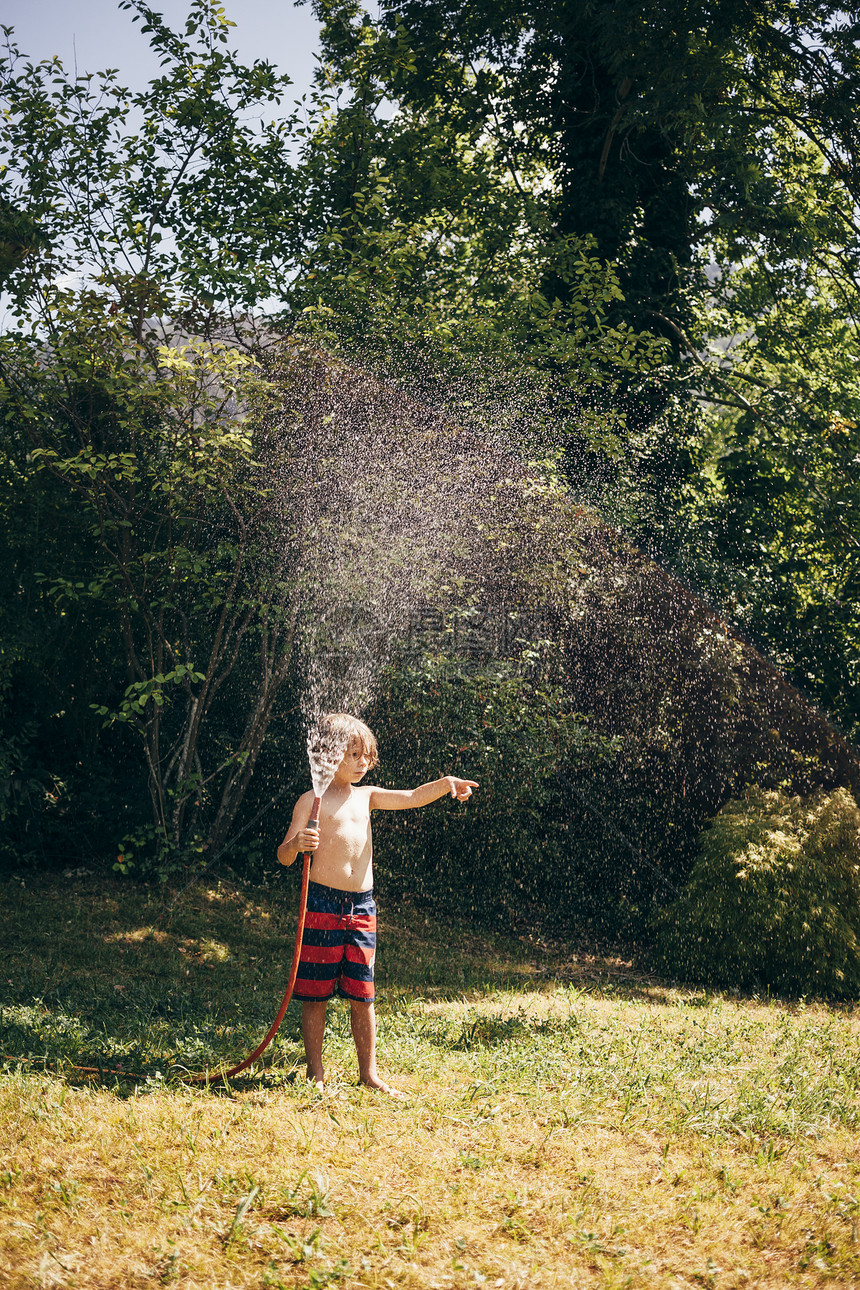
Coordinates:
570	1122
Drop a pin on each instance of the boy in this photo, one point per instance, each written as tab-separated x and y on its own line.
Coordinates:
339	942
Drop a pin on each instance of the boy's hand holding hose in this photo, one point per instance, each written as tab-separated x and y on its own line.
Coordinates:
303	842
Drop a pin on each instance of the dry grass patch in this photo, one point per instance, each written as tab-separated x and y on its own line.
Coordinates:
622	1134
280	1188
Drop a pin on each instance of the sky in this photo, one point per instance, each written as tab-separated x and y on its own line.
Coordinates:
95	34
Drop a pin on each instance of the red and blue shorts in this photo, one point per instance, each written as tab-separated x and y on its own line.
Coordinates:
338	945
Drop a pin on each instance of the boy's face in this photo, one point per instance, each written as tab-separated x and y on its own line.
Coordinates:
356	762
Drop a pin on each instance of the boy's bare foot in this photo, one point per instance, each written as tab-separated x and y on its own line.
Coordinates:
380	1086
318	1081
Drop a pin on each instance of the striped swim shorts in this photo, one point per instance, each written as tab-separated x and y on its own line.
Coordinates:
338	945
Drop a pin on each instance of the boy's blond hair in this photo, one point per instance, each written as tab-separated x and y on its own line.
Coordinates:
342	728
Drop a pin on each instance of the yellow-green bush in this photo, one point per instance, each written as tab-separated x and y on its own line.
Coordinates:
773	899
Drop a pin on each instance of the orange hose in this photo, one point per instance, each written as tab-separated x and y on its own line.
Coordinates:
209	1077
213	1078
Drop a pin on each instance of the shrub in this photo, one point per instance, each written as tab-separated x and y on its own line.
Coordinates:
505	723
773	899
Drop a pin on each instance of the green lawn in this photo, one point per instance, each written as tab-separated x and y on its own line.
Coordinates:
569	1121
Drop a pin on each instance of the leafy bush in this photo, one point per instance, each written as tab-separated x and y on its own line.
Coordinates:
774	897
506	723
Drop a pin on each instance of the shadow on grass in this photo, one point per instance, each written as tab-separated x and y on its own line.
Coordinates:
104	973
129	979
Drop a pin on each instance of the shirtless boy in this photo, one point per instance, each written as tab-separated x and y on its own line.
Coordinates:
339	942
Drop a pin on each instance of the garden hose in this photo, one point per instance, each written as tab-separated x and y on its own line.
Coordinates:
213	1077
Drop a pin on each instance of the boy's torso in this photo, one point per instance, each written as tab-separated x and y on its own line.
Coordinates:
344	857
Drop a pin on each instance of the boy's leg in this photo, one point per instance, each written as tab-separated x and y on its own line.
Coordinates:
362	1019
313	1033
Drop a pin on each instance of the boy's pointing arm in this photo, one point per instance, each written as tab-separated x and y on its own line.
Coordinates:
403	799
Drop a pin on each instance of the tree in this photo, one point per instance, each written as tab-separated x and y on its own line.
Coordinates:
709	154
172	543
428	258
170	210
173	199
657	123
233	492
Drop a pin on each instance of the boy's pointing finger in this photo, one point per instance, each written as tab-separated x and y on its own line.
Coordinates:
462	788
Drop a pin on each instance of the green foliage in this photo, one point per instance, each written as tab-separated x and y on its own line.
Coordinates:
153	444
518	236
132	429
23	786
433	255
773	899
133	504
506	723
177	196
148	853
705	159
662	129
772	515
